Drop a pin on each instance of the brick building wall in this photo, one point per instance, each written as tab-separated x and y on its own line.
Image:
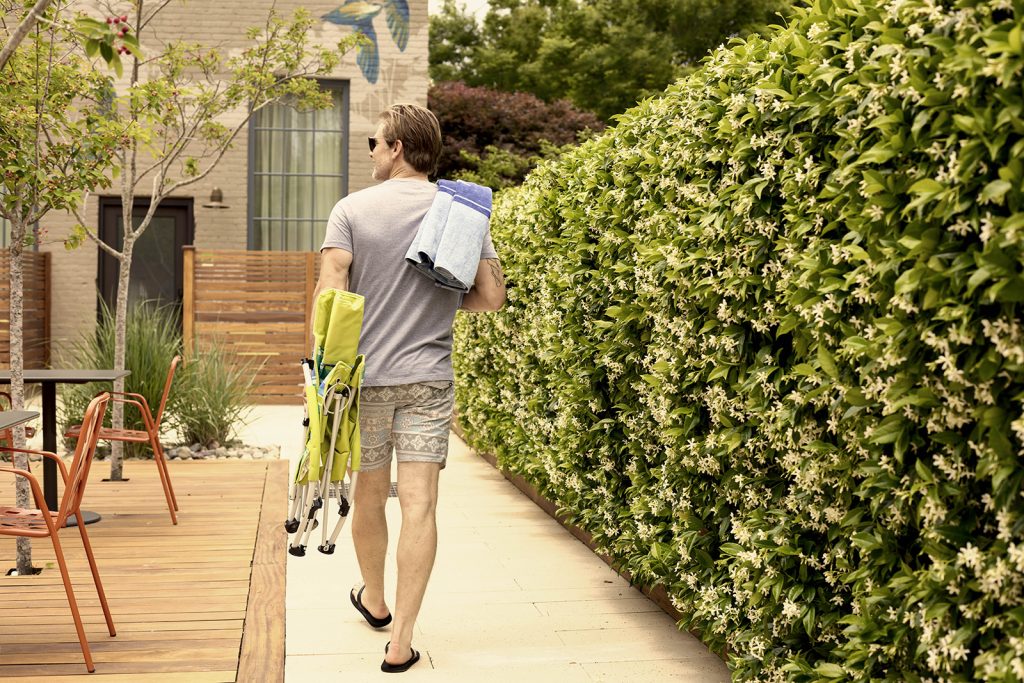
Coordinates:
403	77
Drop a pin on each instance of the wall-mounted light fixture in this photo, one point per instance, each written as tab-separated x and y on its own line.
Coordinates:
216	200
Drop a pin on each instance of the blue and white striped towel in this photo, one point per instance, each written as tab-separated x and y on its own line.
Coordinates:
448	243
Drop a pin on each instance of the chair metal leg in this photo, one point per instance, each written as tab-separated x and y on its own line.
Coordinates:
71	601
167	471
164	476
96	577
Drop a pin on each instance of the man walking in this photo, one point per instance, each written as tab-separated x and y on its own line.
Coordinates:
408	391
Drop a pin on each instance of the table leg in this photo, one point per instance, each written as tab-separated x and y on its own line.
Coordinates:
50	443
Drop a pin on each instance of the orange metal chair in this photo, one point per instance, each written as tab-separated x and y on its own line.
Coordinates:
7	435
42	523
150	434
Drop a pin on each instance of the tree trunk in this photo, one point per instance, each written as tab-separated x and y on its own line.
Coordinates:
120	333
23	496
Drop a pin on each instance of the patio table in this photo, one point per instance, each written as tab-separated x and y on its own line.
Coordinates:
49	379
13	418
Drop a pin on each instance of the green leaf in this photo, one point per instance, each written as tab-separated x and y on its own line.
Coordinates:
809	620
827	362
1013	39
719	372
926	186
830	670
994	191
805	369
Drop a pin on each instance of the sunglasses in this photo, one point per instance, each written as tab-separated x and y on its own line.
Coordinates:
374	142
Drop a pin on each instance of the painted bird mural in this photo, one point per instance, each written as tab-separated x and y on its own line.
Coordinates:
360	14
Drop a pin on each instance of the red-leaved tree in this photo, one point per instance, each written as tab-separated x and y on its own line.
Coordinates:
480	122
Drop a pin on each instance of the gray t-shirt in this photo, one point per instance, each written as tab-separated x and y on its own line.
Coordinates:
407	321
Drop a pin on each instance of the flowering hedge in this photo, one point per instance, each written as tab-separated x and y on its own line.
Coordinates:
765	342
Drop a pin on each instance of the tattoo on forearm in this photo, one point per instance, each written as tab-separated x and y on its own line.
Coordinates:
499	277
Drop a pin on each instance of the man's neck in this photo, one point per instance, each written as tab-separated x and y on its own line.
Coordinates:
406	172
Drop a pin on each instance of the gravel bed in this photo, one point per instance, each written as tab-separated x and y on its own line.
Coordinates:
218	452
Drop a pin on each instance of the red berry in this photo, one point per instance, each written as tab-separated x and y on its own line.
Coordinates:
110	20
120	34
117	20
124	18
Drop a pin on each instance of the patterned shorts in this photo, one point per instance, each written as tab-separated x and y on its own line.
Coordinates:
411	419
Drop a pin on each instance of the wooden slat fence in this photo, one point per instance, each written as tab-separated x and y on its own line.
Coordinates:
255	304
36	327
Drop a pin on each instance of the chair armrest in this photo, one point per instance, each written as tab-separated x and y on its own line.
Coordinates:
138	397
37	492
45	454
147	417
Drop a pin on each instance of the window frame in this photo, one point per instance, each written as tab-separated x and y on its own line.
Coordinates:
335	85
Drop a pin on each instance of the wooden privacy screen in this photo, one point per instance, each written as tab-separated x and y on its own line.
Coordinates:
255	304
36	321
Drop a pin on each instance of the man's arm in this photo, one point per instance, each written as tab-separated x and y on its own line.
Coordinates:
334	265
488	291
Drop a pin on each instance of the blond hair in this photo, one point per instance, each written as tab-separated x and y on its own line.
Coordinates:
419	131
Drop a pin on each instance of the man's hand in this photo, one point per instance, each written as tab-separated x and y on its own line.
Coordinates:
488	291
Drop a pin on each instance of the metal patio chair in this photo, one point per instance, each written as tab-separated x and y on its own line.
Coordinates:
44	523
151	434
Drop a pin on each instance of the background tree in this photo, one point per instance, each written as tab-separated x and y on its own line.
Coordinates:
603	55
54	148
454	37
185	110
496	137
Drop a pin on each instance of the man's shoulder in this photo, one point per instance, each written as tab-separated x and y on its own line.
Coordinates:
390	190
383	198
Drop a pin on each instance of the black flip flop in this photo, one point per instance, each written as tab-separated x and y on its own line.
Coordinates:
399	668
357	602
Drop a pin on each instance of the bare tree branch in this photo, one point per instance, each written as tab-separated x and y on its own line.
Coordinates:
24	27
220	150
93	236
145	22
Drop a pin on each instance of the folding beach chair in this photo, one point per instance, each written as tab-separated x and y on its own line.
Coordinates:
332	380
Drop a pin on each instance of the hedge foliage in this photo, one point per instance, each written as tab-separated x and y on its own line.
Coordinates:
764	340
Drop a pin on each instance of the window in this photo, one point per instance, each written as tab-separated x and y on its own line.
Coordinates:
298	164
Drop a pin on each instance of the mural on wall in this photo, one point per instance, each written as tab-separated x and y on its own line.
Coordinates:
360	15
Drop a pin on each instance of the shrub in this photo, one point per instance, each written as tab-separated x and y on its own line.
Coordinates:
152	340
213	396
518	124
764	341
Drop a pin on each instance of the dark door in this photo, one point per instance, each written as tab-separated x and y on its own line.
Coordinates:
156	273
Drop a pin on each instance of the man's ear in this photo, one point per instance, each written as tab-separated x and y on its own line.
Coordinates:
399	150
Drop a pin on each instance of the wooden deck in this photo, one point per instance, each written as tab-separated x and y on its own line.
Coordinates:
190	602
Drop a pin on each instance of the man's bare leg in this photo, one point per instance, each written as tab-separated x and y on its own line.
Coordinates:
370	535
417	547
